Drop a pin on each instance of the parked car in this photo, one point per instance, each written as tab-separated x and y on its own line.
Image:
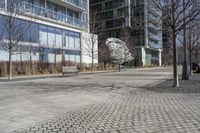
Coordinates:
196	67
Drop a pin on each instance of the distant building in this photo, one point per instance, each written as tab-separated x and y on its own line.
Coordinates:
58	25
136	22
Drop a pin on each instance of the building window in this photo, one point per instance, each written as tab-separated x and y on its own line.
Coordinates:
58	37
78	59
66	39
51	36
34	33
72	58
109	5
2	4
77	40
109	24
71	39
66	57
108	15
43	35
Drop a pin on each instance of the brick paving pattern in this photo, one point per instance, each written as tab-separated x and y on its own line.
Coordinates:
139	112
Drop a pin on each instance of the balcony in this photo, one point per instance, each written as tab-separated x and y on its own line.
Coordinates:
31	9
77	5
154	37
155	44
155	27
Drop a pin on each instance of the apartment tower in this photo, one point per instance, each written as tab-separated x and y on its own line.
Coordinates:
137	22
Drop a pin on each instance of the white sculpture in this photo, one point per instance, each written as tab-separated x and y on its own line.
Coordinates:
119	51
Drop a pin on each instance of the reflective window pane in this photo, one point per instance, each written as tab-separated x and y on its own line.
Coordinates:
51	36
59	38
77	40
71	40
43	34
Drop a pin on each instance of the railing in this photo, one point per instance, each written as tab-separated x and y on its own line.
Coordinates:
154	37
78	3
40	11
155	27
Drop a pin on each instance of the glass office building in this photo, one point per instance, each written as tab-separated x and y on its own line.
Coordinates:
54	28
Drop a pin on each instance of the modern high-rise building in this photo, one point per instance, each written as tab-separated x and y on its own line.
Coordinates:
56	27
137	22
167	54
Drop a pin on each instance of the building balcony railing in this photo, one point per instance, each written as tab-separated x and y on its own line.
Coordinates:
154	27
154	37
78	3
43	12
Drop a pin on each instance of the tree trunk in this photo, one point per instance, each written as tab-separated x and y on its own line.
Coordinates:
30	68
10	64
119	67
55	60
92	64
185	71
92	61
175	74
104	64
191	73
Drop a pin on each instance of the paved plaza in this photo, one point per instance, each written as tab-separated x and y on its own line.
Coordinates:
132	101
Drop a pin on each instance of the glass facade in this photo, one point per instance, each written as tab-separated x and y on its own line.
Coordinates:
44	40
53	11
2	3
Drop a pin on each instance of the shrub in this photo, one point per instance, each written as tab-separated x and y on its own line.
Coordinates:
37	68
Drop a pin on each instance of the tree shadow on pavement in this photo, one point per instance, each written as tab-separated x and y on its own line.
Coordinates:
186	86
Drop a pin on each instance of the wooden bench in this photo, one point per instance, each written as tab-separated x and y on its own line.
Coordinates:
70	70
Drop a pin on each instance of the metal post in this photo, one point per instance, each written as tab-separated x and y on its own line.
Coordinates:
185	71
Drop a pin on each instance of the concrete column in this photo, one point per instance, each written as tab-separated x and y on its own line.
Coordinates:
88	16
129	13
146	23
45	4
6	4
143	56
160	57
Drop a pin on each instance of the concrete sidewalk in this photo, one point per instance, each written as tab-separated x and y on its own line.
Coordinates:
132	107
59	75
29	102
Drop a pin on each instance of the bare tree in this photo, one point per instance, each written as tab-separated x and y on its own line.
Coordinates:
192	40
178	15
13	30
103	51
91	47
194	43
91	41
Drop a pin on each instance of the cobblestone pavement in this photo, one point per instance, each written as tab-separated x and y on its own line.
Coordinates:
139	112
128	102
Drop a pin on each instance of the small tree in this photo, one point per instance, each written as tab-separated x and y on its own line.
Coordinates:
91	41
13	30
193	39
91	47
